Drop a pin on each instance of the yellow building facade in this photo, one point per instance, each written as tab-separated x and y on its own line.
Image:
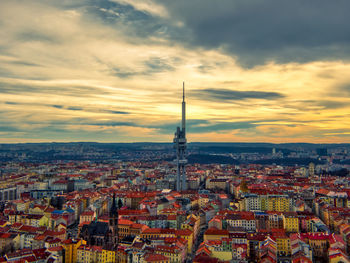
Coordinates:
71	246
291	224
278	203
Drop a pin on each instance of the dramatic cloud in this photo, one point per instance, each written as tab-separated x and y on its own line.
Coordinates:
272	30
147	6
112	70
229	95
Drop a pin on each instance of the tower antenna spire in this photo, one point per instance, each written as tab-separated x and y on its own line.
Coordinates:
183	123
183	90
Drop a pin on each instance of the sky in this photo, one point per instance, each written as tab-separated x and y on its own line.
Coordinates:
112	70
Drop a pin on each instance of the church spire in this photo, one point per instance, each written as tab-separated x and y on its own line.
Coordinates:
113	224
114	209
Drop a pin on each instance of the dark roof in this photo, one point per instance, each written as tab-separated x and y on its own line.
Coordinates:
96	228
127	240
164	200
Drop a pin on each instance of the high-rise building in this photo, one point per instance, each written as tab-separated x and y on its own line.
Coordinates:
180	144
311	169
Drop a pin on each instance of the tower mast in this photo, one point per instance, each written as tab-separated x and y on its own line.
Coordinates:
180	144
183	110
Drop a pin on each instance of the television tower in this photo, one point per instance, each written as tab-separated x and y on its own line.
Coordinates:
180	144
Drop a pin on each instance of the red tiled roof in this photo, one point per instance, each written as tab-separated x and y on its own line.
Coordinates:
155	258
214	231
87	213
40	237
171	217
125	222
183	232
322	191
70	241
16	225
29	229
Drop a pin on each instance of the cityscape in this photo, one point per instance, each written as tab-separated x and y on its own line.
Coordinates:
79	203
140	131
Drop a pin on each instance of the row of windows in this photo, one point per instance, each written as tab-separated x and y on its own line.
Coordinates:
8	195
241	222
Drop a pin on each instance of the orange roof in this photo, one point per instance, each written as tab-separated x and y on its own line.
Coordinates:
16	225
135	225
125	222
49	209
214	231
322	191
87	213
183	232
152	231
5	235
84	223
59	248
40	237
171	217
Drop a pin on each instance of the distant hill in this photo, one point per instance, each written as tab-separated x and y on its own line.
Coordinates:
199	152
208	159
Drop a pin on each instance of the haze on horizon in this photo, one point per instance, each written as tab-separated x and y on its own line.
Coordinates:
112	70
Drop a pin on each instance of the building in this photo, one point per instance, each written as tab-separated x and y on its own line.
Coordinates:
70	247
8	193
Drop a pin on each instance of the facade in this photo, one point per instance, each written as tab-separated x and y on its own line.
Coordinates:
8	194
71	248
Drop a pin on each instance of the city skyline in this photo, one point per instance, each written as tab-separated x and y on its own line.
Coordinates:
111	71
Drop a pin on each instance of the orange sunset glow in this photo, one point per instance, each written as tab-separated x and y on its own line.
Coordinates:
112	71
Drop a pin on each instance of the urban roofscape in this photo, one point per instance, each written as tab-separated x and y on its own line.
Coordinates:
143	202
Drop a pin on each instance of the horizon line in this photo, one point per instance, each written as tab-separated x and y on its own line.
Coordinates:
257	142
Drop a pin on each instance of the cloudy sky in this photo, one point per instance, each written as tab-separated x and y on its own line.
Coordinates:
112	70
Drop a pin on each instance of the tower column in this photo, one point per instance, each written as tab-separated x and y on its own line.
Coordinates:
183	111
180	144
